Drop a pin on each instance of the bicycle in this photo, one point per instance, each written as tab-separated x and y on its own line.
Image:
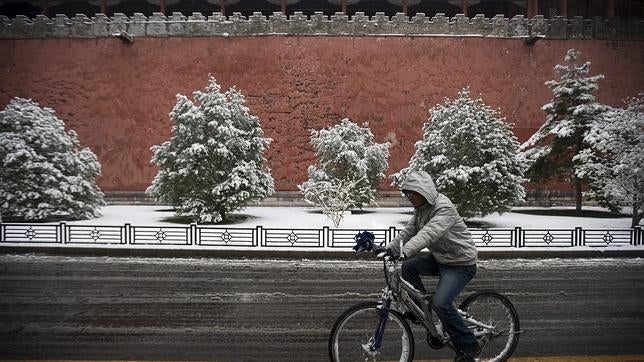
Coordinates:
373	331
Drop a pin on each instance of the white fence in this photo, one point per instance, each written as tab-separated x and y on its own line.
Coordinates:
206	236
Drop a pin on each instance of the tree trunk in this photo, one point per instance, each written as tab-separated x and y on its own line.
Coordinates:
637	216
580	145
577	195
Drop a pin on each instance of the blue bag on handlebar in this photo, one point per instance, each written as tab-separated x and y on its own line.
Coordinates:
364	241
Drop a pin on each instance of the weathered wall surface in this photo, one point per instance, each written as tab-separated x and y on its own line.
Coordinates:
117	96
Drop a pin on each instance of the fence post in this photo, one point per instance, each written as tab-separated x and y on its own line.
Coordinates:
259	236
579	238
193	240
62	232
128	234
2	227
390	235
514	237
636	236
518	237
326	237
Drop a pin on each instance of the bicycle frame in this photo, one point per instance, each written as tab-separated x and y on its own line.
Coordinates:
401	293
383	310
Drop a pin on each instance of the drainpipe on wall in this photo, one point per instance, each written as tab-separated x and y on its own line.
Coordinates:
532	9
343	3
222	7
283	7
609	12
404	6
563	8
162	6
45	8
464	6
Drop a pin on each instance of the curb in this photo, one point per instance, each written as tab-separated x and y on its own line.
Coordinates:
304	254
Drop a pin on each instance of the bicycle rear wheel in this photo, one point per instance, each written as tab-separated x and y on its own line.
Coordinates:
493	309
356	326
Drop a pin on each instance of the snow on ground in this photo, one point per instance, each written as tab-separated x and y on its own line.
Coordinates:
375	218
529	221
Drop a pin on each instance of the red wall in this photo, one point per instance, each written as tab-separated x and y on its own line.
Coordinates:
118	96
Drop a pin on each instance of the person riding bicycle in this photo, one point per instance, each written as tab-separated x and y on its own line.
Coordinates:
437	226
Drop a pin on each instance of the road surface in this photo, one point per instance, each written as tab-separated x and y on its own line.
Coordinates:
58	307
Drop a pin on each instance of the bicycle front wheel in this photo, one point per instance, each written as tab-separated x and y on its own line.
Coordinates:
492	309
353	330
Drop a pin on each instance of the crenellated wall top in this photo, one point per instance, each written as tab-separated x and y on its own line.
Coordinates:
179	25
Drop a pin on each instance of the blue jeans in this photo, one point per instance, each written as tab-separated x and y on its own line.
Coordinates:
452	280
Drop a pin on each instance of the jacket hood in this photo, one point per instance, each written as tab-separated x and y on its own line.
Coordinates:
421	182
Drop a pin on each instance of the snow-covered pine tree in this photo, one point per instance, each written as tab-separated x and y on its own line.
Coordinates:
472	156
348	159
614	163
550	151
214	162
44	172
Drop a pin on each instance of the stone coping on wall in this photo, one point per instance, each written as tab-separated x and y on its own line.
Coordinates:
217	25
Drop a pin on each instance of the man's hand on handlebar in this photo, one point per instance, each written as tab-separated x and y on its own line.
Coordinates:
388	254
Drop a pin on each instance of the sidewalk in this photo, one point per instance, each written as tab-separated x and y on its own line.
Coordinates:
272	253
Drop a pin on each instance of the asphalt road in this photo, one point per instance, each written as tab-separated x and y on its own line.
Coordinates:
57	307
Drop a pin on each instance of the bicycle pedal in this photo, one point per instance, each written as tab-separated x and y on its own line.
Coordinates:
434	342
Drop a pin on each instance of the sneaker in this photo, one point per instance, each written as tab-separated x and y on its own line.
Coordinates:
464	358
470	356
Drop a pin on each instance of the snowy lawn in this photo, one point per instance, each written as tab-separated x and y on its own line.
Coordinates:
374	218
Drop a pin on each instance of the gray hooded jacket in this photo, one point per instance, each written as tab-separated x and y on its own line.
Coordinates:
436	225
